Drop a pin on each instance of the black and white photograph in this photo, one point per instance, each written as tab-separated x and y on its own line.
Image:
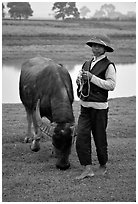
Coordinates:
68	101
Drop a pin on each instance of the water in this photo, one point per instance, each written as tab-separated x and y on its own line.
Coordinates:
126	82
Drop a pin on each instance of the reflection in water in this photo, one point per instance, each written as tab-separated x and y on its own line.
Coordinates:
10	85
126	82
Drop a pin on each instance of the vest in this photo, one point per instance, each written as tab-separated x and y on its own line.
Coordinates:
96	93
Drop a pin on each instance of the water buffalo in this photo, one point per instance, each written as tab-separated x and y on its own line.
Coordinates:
46	91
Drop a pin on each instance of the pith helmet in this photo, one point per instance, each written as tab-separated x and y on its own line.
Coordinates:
101	40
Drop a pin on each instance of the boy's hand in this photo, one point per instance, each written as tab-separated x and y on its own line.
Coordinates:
86	75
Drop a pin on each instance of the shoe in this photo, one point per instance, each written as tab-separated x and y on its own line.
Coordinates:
86	173
102	170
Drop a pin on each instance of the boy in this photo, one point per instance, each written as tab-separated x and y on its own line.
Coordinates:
97	78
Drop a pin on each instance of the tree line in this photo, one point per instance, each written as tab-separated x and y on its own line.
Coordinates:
23	10
63	10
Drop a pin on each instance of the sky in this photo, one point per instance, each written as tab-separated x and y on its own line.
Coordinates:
43	9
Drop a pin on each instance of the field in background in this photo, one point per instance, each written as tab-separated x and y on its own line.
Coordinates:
69	28
65	40
32	177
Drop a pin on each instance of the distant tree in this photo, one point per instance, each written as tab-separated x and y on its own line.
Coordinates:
99	14
106	11
3	13
65	9
19	10
83	11
131	14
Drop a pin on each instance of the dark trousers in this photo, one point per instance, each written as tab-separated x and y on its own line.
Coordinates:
95	121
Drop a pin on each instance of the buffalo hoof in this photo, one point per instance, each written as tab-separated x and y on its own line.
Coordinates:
63	167
35	146
26	140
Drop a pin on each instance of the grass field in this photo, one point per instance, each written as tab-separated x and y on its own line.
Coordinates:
65	40
32	177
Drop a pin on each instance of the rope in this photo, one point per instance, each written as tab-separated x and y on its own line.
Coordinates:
82	84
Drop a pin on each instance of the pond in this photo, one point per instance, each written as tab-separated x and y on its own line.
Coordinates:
126	81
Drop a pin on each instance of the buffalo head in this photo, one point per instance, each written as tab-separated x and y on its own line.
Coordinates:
62	142
62	136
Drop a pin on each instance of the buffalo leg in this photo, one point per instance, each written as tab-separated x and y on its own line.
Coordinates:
35	146
29	122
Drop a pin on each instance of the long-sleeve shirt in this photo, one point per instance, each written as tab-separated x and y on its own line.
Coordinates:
109	84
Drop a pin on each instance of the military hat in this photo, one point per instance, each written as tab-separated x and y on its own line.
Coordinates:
101	40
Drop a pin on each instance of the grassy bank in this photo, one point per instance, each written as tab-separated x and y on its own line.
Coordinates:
32	177
64	41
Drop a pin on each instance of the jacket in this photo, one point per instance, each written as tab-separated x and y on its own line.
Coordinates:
91	92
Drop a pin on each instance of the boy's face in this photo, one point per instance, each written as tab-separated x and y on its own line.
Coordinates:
98	50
